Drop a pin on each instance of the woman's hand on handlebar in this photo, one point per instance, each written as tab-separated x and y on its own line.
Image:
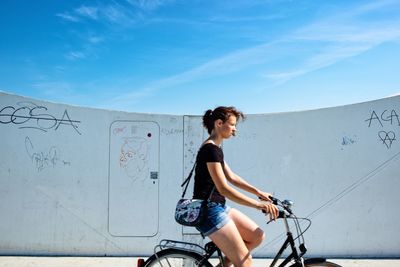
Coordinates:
264	196
269	208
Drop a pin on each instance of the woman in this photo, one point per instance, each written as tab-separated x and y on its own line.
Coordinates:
232	231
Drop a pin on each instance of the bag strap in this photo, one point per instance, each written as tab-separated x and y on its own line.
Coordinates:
212	191
187	180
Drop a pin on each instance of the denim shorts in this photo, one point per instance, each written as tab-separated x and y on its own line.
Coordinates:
217	217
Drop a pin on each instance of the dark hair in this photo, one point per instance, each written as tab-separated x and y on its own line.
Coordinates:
220	113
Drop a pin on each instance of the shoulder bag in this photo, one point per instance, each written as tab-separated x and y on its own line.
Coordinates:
191	212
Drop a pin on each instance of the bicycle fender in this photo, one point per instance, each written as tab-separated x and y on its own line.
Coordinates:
314	260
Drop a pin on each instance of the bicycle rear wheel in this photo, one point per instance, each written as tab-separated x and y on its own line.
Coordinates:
175	258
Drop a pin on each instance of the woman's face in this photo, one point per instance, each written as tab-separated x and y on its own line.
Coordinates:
228	128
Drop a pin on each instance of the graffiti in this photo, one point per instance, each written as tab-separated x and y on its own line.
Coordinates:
29	115
381	119
134	157
387	138
384	117
171	131
347	141
119	130
43	159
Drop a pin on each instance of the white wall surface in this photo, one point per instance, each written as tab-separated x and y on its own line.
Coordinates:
80	181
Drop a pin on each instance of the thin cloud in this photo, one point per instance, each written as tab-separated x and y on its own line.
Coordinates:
341	37
95	39
340	46
149	5
124	13
112	13
75	55
226	64
117	15
88	12
324	59
226	19
337	37
66	16
53	88
374	6
126	100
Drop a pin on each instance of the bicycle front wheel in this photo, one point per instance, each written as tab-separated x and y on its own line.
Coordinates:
176	258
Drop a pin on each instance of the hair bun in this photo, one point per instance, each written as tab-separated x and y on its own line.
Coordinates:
207	119
219	113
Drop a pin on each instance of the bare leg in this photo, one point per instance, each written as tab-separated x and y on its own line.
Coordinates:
250	233
229	240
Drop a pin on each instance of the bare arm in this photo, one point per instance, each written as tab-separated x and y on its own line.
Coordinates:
238	181
220	181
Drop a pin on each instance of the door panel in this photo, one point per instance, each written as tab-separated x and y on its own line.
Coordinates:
133	178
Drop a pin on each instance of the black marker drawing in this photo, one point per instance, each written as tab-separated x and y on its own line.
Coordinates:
347	141
385	118
387	138
30	115
43	159
393	118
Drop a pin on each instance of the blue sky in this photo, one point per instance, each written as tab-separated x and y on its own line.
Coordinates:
185	56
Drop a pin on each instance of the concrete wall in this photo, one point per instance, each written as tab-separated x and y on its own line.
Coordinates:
80	181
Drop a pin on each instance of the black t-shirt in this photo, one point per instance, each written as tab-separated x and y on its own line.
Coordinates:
203	183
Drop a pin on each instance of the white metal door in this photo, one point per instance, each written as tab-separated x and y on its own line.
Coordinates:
133	178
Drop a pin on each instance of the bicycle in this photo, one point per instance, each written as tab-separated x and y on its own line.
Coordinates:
176	253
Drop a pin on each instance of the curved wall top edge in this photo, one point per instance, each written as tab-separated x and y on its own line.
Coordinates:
195	115
367	102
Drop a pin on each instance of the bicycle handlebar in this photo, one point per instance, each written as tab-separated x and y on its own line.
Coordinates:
279	203
274	200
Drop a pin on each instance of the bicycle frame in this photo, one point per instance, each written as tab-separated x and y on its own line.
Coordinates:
296	255
289	241
211	248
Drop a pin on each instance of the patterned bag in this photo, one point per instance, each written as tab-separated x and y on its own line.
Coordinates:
190	212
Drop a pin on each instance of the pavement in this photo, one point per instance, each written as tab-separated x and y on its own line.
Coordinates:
6	261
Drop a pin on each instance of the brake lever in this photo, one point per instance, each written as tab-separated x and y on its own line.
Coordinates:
280	216
276	202
272	199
